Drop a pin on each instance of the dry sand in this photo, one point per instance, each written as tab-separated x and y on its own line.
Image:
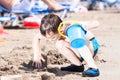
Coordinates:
16	50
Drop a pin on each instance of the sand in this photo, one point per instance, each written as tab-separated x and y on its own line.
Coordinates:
16	51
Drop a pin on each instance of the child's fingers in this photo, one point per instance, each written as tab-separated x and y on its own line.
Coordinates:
36	65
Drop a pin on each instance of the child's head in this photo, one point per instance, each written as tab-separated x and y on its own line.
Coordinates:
50	23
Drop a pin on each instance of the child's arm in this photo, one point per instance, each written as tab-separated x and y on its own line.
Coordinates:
37	57
86	24
90	24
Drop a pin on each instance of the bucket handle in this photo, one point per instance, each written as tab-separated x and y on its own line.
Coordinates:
65	22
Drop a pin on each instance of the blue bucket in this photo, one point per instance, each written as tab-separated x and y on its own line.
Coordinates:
76	35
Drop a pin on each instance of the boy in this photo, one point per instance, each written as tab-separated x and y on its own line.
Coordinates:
49	30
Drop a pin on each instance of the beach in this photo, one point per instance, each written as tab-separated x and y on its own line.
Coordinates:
16	51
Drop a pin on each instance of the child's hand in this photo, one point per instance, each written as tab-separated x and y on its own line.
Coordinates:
91	24
37	61
36	65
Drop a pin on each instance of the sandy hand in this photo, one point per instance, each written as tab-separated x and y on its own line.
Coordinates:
36	64
39	61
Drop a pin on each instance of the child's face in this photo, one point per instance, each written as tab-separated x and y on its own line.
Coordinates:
52	36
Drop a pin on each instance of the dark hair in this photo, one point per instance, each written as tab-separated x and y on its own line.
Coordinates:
49	22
